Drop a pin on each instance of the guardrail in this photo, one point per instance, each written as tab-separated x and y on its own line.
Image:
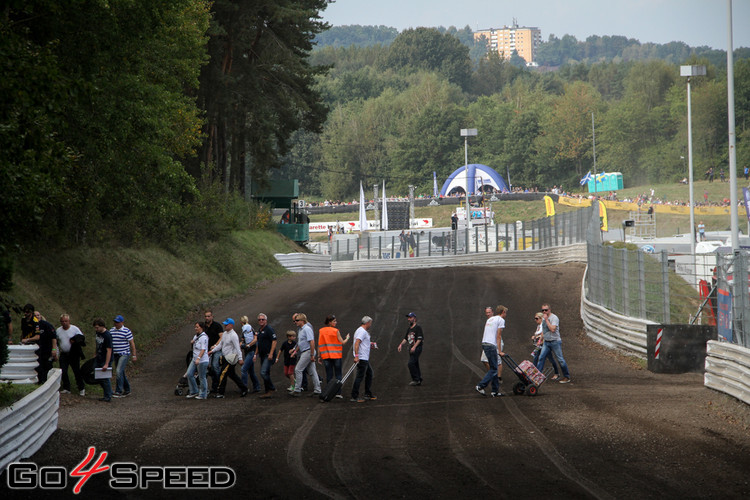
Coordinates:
304	262
728	369
613	330
525	258
27	424
21	365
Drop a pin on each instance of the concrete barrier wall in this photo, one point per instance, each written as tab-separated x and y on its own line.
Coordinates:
26	425
524	258
728	369
21	365
611	329
304	262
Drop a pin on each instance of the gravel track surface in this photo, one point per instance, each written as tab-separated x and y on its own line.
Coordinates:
616	431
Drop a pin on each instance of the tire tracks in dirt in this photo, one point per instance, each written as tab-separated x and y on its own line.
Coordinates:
541	441
456	448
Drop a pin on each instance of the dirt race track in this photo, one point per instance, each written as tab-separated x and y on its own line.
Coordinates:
617	431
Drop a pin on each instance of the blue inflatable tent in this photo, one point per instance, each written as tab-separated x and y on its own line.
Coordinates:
480	176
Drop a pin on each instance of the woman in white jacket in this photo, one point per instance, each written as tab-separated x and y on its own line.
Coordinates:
229	347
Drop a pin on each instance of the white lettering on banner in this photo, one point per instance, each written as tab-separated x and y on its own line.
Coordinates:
372	225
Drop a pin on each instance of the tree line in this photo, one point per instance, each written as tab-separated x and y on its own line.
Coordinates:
396	112
132	121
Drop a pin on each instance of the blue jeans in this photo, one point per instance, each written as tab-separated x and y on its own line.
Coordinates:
249	368
364	371
120	362
265	374
416	373
549	356
202	369
556	347
106	387
333	368
214	362
491	376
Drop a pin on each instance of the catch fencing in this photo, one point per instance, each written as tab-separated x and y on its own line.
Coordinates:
562	229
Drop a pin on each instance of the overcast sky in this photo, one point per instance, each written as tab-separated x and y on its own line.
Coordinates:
695	22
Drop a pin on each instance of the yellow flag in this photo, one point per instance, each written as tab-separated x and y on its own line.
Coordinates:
603	216
549	205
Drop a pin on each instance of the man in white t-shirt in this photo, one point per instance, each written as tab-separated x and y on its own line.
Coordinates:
483	358
69	342
491	339
362	359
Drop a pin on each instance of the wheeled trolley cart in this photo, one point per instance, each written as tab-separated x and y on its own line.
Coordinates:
529	378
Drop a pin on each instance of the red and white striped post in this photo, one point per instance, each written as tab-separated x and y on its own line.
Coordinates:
658	343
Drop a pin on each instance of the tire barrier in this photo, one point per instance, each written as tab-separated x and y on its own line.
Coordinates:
27	424
21	365
613	330
304	262
728	369
525	258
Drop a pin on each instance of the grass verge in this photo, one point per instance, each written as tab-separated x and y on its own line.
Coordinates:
153	288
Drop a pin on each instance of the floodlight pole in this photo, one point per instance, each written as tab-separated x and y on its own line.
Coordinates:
689	71
466	133
593	138
734	218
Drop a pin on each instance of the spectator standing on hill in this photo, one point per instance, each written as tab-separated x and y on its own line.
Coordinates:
103	357
305	353
28	322
123	348
70	341
746	172
362	345
414	338
492	338
214	332
42	333
701	231
266	353
552	342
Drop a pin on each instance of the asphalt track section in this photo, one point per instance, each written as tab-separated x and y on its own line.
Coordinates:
616	431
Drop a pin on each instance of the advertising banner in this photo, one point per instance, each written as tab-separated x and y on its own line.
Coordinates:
372	225
724	316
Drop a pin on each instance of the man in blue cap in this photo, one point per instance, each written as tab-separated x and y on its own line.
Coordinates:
231	354
123	348
414	338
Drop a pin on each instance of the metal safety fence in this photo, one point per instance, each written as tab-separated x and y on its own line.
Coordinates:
670	287
559	230
656	286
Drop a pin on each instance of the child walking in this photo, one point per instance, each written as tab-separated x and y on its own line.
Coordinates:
290	360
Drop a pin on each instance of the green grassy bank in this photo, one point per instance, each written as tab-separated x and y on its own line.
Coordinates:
152	287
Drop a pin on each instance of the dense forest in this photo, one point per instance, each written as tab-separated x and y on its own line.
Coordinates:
396	110
130	121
